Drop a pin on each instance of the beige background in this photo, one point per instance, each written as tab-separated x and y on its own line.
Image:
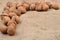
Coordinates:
35	25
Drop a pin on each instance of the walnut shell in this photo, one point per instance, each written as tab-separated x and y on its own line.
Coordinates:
4	14
11	22
14	4
6	8
5	11
55	6
14	25
9	4
25	5
38	7
12	9
11	30
5	19
19	4
49	4
3	29
18	13
45	7
42	2
22	9
16	18
12	14
32	6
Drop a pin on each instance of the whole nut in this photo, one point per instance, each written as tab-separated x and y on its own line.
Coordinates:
14	4
10	22
11	30
19	4
6	8
5	11
38	7
55	6
12	14
45	7
16	18
22	9
12	9
32	6
25	5
18	13
4	14
3	29
6	19
49	4
9	4
42	2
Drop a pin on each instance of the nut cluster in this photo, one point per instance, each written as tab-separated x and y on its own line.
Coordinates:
12	11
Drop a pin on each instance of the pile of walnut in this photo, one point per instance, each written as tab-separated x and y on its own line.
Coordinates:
12	11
